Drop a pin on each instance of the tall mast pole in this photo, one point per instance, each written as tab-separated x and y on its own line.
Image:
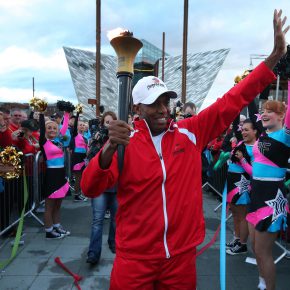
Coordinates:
163	54
184	52
98	57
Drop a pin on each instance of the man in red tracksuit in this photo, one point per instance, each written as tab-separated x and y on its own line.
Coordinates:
160	219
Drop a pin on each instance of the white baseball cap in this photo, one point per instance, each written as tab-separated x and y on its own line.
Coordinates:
148	89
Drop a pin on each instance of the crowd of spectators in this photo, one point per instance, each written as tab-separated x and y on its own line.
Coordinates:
21	129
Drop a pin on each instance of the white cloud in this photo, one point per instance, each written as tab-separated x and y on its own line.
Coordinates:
15	58
18	8
24	95
207	25
15	4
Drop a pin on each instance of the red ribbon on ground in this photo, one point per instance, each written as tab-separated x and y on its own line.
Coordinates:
212	241
76	277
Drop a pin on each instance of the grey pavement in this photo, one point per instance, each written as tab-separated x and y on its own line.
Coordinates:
34	267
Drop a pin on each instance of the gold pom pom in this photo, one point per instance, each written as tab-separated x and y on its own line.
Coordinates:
38	104
237	79
32	102
11	157
79	108
246	72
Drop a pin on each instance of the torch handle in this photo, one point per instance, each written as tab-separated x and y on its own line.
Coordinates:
125	82
121	155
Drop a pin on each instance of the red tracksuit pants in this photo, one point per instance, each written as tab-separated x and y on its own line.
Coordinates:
176	273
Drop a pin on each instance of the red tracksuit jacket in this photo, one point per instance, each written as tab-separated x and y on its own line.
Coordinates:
160	198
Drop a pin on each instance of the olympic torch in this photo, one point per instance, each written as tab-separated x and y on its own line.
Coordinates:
126	48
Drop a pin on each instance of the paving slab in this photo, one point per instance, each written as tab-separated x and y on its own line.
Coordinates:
16	282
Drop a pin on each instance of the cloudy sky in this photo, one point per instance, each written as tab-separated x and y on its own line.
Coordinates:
33	33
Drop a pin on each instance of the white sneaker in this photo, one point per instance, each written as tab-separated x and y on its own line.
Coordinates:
53	235
262	284
62	231
237	249
80	197
232	243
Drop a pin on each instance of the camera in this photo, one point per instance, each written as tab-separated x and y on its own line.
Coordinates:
97	141
103	135
21	134
187	115
94	126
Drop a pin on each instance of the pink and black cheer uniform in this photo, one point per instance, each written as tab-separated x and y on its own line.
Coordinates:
269	208
240	171
79	147
56	185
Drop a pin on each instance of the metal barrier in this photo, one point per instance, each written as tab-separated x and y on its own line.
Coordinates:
39	172
68	171
67	163
216	180
38	183
11	199
280	244
217	183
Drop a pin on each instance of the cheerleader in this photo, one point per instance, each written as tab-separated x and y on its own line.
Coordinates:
79	147
238	186
56	185
269	209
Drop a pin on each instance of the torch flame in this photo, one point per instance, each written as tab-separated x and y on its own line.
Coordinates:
116	32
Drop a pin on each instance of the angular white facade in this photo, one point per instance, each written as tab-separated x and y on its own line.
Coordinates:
82	67
202	69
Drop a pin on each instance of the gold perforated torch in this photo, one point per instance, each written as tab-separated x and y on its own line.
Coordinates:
126	48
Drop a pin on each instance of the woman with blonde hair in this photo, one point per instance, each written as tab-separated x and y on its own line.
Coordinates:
56	185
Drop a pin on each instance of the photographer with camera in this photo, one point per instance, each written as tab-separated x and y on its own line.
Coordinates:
189	109
183	111
26	137
99	131
94	126
105	200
